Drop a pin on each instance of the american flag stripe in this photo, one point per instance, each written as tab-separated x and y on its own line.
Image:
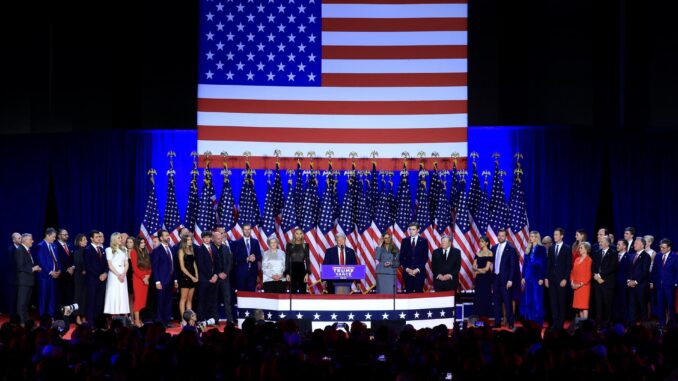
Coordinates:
406	9
332	107
395	25
299	71
395	80
323	135
313	121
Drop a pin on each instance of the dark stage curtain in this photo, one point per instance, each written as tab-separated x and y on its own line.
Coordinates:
642	172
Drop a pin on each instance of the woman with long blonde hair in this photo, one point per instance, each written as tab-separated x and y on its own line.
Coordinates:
117	298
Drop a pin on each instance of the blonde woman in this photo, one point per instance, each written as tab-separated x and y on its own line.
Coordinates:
117	298
532	284
273	268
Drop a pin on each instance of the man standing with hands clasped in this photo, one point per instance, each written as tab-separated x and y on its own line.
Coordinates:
413	258
604	274
446	263
558	268
506	265
164	274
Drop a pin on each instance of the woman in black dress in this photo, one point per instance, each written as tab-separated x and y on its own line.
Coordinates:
79	280
188	275
297	263
482	266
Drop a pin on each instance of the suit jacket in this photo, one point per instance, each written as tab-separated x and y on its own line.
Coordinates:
23	264
623	269
508	268
332	256
163	266
225	258
640	269
207	266
94	265
414	258
665	274
240	254
559	268
64	259
451	265
606	267
45	260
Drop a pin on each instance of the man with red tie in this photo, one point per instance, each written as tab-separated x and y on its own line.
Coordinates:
413	258
96	274
340	255
209	267
47	280
165	276
665	281
65	257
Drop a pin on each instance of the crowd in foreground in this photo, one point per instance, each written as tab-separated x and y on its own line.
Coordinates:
262	350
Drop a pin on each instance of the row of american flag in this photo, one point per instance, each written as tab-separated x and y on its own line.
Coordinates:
374	203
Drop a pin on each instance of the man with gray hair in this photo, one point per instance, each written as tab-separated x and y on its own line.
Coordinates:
25	278
445	265
604	268
340	255
639	283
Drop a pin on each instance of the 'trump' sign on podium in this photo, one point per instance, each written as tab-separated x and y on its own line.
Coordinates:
343	272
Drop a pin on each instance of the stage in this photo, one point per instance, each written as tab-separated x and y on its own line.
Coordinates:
425	310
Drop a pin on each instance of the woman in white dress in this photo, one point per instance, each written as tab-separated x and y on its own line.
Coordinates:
117	299
273	268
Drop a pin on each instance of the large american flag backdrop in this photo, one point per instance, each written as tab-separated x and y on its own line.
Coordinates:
340	75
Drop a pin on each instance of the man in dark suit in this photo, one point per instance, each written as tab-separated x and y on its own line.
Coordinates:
247	255
340	255
558	268
65	256
604	270
209	266
505	267
639	282
620	310
225	259
665	281
96	269
165	275
445	265
47	280
25	276
413	259
9	277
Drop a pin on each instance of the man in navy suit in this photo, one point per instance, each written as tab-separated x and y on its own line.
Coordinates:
638	282
413	259
558	268
620	312
339	255
65	257
164	273
47	279
225	259
209	267
96	269
506	265
247	260
25	269
665	281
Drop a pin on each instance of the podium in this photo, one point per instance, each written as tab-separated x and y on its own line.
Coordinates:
342	276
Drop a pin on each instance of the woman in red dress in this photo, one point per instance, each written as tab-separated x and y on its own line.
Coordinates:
580	280
141	265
